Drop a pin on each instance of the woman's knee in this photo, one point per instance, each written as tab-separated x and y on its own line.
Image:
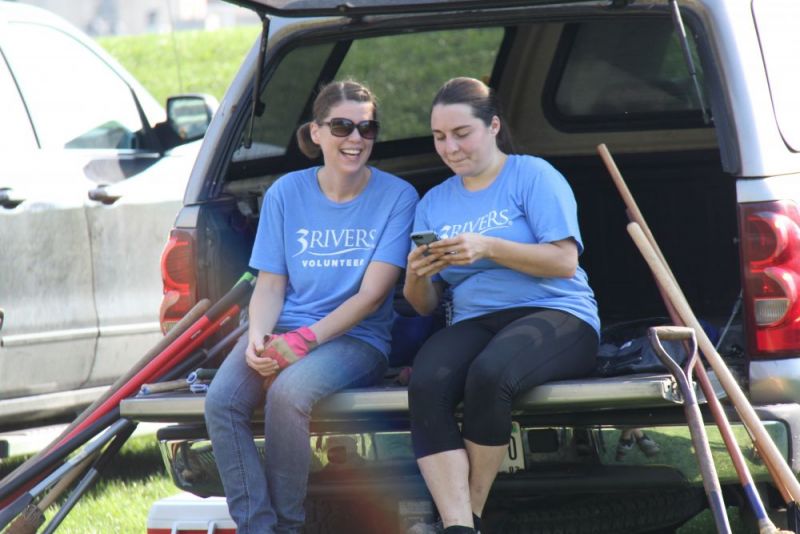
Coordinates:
226	398
219	405
484	379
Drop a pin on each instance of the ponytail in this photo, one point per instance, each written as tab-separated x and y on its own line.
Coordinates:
308	147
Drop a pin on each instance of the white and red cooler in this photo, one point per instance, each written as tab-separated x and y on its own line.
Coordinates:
188	514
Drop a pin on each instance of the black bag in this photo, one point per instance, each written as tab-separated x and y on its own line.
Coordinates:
625	349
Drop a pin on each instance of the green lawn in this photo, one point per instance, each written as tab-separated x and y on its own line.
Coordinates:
188	62
137	478
119	502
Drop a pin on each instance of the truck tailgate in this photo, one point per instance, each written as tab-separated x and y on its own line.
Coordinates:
634	391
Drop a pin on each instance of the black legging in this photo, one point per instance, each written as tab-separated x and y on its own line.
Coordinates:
487	361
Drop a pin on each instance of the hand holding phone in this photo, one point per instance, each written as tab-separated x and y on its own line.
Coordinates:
425	237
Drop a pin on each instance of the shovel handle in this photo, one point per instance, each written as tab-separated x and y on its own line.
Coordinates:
668	361
673	333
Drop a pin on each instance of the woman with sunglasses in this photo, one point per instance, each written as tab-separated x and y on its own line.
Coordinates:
523	312
331	243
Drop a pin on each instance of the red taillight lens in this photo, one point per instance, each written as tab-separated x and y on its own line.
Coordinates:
771	273
179	276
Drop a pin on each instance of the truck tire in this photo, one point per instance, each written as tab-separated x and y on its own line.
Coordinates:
598	514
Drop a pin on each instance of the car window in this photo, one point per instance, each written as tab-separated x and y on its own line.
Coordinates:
780	45
15	128
75	100
404	83
623	71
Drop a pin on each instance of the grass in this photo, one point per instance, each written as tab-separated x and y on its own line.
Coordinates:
399	69
186	62
703	523
136	479
120	500
677	450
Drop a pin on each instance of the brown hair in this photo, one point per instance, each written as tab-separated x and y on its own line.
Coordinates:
331	95
484	103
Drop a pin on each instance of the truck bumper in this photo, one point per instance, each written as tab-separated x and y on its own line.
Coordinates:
555	458
568	438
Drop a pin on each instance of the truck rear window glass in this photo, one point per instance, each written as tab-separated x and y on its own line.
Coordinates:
405	71
780	46
285	98
399	69
622	74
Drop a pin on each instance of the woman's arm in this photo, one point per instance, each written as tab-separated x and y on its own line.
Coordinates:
266	305
379	279
558	259
419	290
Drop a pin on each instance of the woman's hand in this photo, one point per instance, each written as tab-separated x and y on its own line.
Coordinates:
258	363
423	266
285	349
463	249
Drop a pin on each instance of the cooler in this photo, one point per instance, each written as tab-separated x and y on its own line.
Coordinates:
188	514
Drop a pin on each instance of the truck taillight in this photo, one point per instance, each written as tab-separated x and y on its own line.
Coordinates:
770	233
180	279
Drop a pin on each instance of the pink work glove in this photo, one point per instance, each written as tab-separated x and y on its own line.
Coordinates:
289	347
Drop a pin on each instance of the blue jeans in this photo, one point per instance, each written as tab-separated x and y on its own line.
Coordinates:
271	500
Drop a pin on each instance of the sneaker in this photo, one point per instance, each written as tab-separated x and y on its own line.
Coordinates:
623	448
648	446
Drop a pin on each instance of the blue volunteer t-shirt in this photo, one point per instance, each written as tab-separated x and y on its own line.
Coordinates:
529	202
324	247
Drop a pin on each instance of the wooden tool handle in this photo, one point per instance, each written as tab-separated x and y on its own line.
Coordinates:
65	482
194	314
161	387
760	436
673	333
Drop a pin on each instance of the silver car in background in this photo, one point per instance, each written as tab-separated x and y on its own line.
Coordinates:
92	173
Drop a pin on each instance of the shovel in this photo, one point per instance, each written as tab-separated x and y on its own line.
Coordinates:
693	416
29	521
11	511
195	314
652	254
89	479
225	310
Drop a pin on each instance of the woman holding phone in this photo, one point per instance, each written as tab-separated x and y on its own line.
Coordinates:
523	311
330	244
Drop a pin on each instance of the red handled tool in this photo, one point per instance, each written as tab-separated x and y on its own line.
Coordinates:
226	309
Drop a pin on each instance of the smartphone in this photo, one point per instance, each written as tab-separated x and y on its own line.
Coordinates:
425	237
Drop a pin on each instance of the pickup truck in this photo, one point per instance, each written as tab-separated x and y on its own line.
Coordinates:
709	144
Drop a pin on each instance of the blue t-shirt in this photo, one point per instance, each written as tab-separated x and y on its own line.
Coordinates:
324	247
529	202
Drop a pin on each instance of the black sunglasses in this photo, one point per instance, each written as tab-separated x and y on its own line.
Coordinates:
344	127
